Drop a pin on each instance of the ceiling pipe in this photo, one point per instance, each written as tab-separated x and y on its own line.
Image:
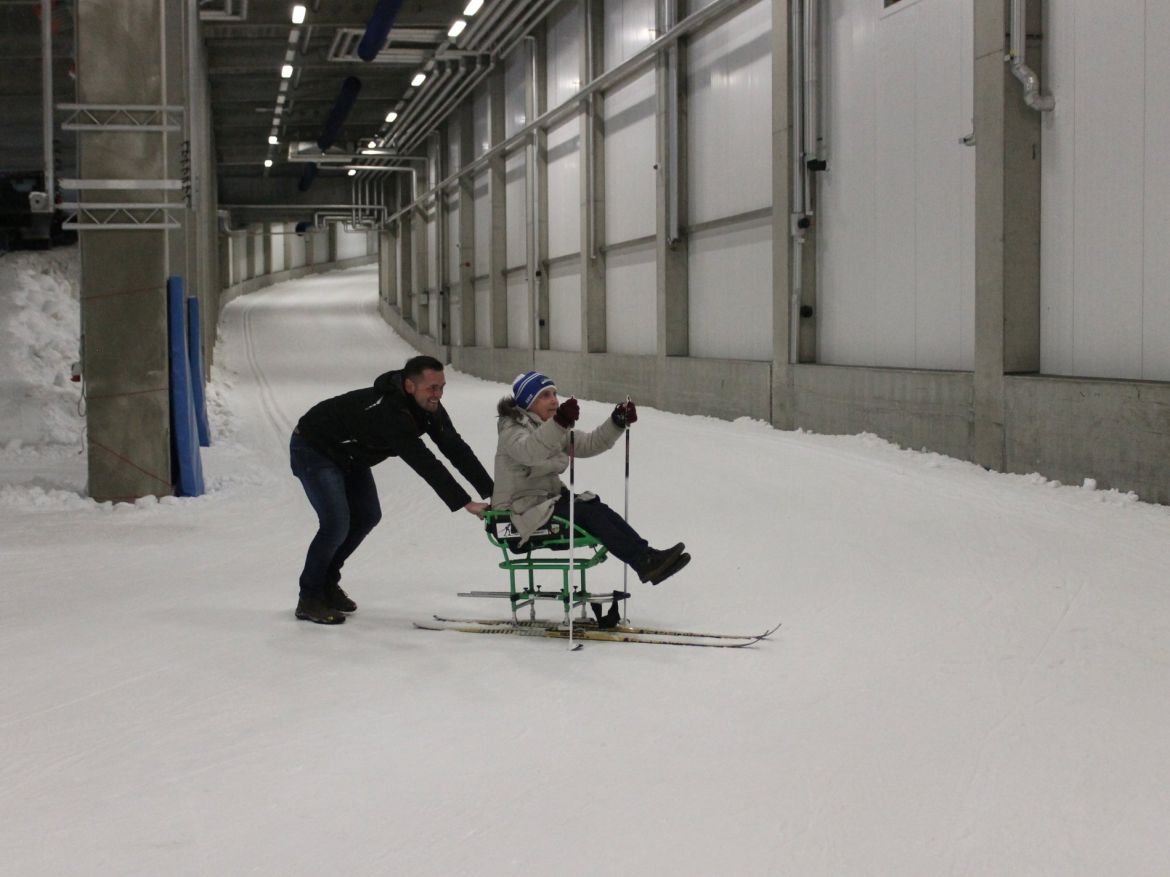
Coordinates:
515	36
623	72
482	69
500	23
433	96
485	22
414	128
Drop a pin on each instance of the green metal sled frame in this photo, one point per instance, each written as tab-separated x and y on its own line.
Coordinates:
521	560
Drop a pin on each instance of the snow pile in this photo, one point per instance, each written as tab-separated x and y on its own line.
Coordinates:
40	328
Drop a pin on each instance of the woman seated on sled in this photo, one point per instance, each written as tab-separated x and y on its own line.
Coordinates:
532	452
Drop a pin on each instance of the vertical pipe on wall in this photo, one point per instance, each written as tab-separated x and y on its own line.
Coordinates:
47	100
798	220
1024	73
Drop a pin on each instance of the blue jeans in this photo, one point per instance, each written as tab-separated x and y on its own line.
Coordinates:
347	510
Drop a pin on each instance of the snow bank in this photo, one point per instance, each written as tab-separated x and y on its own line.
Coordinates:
40	328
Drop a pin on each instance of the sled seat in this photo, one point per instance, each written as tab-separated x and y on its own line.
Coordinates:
539	555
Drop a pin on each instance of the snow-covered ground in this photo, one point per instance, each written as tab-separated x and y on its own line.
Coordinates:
972	677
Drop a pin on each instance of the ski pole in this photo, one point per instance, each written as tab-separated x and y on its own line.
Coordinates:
572	534
626	515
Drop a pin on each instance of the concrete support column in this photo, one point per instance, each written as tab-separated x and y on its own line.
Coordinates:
673	323
406	290
783	415
388	268
123	273
497	192
592	138
466	243
1007	228
441	303
537	180
421	284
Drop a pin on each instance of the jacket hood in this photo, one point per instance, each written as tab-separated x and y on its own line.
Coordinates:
509	410
390	383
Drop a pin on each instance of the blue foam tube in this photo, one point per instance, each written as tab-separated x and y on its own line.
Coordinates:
350	88
195	358
378	29
307	176
186	466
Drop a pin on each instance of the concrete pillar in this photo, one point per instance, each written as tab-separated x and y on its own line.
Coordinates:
537	206
123	273
673	318
406	288
1007	228
592	138
497	192
466	243
388	268
783	415
441	304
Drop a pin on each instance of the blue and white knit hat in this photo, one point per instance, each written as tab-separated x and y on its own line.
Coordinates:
528	386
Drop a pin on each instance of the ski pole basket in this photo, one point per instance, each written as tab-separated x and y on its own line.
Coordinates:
538	555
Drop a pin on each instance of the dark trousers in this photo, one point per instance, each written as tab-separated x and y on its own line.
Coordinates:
347	509
608	526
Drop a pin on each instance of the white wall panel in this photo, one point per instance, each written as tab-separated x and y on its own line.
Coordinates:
515	202
631	301
320	247
519	325
483	224
350	244
453	159
895	246
564	189
564	305
730	272
483	314
1156	299
299	245
629	28
258	246
276	242
1105	272
516	71
563	54
630	177
479	115
729	122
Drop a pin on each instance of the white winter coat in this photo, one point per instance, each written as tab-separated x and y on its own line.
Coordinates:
531	455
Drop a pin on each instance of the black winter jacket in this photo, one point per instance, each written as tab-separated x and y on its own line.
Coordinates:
364	427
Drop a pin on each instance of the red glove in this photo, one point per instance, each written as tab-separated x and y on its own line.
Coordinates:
625	414
567	413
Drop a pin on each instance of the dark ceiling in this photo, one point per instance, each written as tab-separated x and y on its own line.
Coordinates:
247	43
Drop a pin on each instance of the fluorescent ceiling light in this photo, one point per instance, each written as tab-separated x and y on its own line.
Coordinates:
472	7
298	14
268	162
391	116
373	144
419	79
272	140
352	172
286	71
457	28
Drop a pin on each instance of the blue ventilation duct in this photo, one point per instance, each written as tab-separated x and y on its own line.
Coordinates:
341	107
303	226
378	29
